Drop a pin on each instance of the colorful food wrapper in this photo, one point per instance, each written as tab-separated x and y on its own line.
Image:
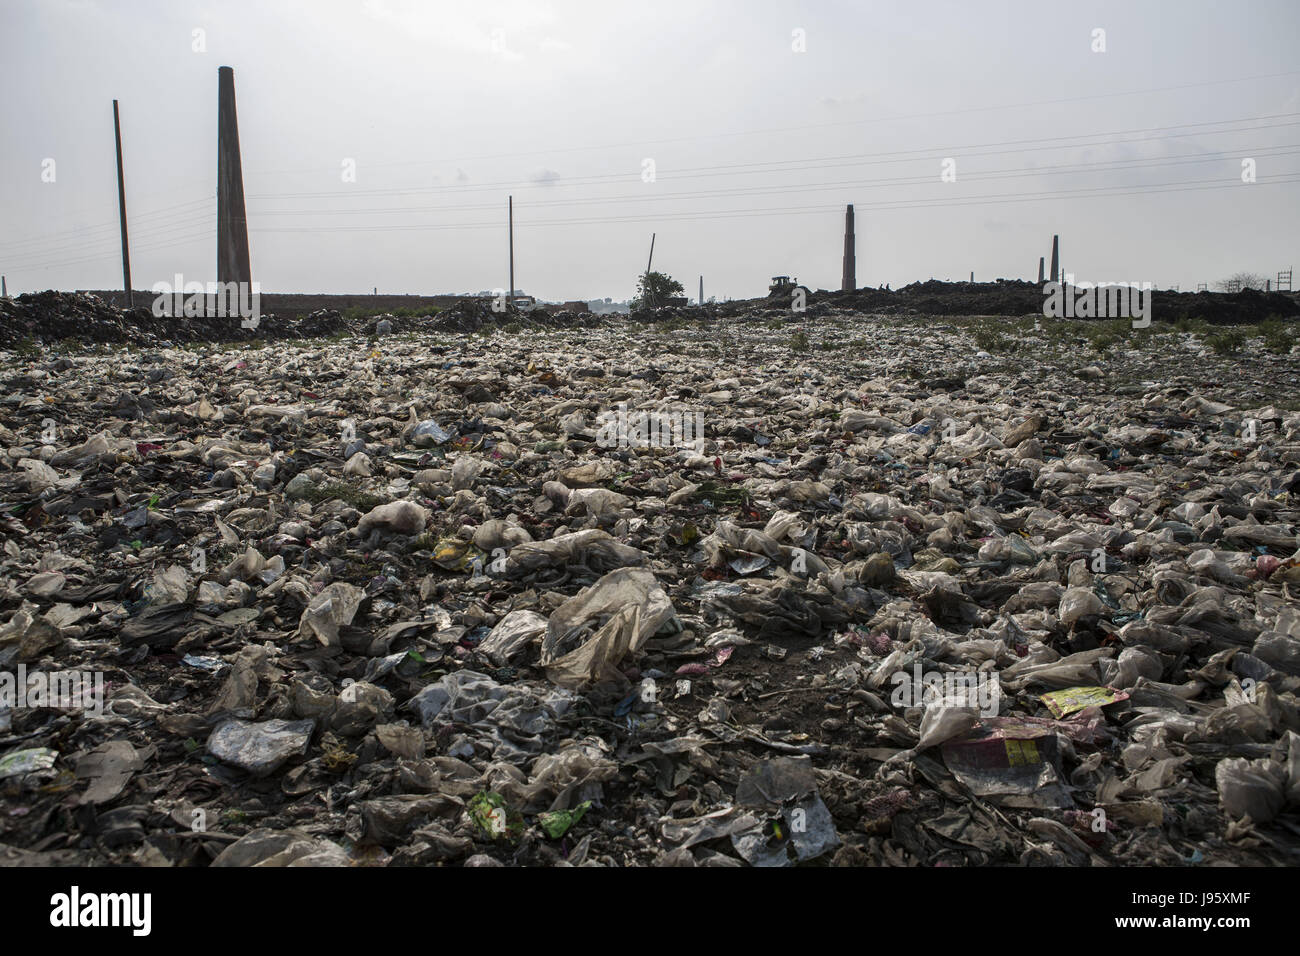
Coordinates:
1073	699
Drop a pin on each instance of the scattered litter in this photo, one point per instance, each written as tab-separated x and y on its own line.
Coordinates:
418	604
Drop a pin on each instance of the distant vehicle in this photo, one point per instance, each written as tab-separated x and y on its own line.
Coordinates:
784	286
524	303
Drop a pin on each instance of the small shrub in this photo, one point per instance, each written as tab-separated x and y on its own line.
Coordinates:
1229	342
1278	336
989	341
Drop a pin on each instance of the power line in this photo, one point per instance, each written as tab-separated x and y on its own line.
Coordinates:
1105	191
96	243
813	126
1014	173
110	224
798	165
752	168
111	253
105	242
37	259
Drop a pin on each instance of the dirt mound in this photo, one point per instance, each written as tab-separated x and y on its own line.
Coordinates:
1016	298
1222	308
46	317
470	315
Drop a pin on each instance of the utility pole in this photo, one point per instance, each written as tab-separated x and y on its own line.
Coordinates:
652	254
510	207
4	289
701	290
121	209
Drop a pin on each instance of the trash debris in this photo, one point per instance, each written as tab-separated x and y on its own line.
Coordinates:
797	826
19	762
109	767
415	604
558	823
260	748
1062	703
632	606
494	819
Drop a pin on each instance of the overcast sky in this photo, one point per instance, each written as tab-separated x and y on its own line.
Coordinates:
1134	155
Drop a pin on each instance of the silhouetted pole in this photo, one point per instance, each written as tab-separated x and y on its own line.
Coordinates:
4	288
510	207
1040	270
849	281
1056	258
121	210
701	290
652	254
232	224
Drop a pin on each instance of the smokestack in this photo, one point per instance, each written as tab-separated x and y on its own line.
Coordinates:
1040	270
850	282
1056	258
232	225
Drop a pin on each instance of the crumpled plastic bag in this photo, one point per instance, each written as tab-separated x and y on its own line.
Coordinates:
555	782
795	824
633	607
512	634
509	719
399	517
947	719
592	547
329	610
1253	788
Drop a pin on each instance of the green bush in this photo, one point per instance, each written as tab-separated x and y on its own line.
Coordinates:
1228	342
1278	336
990	341
361	312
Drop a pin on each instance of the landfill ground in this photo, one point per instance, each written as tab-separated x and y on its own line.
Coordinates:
406	598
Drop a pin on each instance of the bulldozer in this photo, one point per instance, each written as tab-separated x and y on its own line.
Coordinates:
784	286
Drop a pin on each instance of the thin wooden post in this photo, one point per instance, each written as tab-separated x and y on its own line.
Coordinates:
121	209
